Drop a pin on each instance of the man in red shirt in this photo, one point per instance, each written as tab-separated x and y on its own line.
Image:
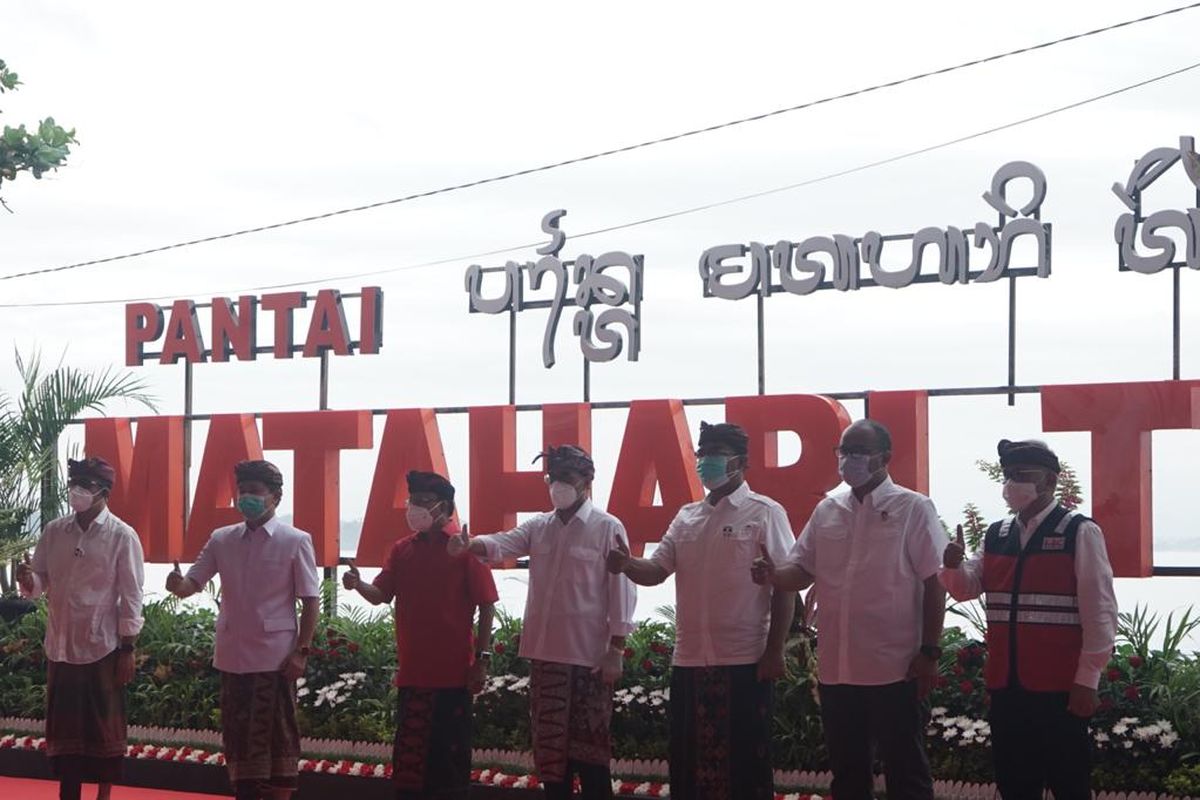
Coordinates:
440	664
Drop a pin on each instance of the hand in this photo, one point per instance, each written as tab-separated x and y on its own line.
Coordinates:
125	668
174	579
771	666
610	666
351	578
924	670
952	557
477	676
294	666
762	571
24	574
460	544
1083	701
618	558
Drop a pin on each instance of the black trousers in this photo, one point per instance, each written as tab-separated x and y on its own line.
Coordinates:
1037	744
889	717
595	781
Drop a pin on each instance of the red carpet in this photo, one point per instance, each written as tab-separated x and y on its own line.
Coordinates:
22	789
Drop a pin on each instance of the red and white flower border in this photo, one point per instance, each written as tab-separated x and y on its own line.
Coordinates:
485	777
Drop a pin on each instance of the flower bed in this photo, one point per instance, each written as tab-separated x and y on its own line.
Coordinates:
1147	731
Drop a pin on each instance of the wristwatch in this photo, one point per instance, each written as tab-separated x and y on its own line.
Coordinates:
931	651
483	655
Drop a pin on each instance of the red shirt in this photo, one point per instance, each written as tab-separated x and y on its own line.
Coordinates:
436	597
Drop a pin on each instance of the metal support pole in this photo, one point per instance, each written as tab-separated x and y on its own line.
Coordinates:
330	573
1175	324
188	410
587	380
762	345
1012	338
512	355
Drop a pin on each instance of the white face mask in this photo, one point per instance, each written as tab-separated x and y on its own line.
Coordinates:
419	518
855	470
563	495
80	499
1019	495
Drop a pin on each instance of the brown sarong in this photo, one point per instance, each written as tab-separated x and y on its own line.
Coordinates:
85	721
571	712
431	757
258	728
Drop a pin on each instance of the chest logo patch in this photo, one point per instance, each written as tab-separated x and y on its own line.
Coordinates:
1054	543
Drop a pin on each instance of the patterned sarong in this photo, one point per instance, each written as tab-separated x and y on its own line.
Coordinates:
258	728
571	712
85	721
431	756
720	734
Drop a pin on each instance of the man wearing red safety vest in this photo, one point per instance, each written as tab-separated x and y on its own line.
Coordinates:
1052	619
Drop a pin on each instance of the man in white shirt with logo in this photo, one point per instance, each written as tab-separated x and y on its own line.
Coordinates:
265	567
577	616
874	554
89	563
729	634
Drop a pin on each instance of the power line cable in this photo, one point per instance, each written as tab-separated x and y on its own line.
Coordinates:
614	151
644	220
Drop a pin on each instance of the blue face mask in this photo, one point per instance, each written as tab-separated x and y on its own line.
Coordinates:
252	506
712	471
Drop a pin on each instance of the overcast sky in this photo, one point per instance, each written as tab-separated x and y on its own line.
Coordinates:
196	120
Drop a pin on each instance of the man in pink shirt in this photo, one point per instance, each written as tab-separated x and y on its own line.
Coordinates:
265	567
89	563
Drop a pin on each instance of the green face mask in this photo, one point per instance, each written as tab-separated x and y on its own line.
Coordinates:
252	506
712	471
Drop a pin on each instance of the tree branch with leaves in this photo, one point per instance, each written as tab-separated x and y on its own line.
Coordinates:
35	152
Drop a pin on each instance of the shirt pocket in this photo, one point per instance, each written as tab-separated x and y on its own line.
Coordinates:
277	624
585	554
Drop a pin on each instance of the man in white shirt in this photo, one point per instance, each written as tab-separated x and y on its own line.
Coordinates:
873	553
265	567
1052	622
89	563
577	616
729	633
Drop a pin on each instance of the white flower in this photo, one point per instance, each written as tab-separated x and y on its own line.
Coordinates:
950	734
636	690
1120	728
302	692
1146	732
938	712
1101	737
301	681
1168	740
1165	725
519	685
1128	720
1128	744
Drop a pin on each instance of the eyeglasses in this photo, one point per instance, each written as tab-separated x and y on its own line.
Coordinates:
854	451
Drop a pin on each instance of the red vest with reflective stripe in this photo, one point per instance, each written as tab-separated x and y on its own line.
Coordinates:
1034	636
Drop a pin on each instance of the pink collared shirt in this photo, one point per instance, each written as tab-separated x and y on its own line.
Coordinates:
93	579
263	573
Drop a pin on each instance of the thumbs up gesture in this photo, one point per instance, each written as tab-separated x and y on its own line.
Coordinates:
618	557
351	577
460	543
762	570
174	579
24	573
952	557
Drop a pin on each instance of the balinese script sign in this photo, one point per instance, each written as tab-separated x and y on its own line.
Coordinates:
835	262
594	286
1132	227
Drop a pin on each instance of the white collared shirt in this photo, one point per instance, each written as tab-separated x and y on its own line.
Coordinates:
263	573
1094	589
721	616
870	560
575	605
94	582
